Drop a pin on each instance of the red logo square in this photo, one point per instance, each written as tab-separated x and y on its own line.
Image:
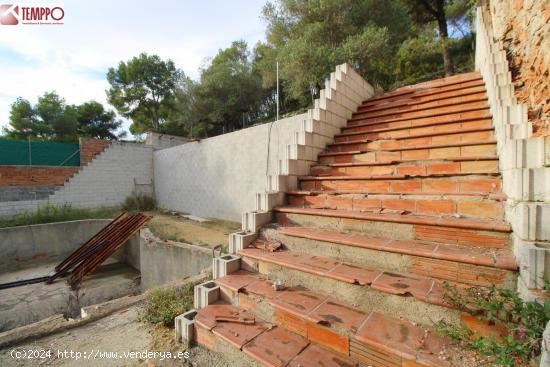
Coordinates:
9	14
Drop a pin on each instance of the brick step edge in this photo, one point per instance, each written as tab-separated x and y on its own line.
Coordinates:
261	341
328	322
397	218
495	258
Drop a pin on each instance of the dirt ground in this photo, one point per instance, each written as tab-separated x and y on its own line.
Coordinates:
177	228
104	342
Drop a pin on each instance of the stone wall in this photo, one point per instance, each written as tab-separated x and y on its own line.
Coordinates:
523	26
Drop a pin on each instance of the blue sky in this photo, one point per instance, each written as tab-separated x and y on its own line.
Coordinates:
73	58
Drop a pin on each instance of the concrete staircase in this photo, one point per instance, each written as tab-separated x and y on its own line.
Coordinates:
407	198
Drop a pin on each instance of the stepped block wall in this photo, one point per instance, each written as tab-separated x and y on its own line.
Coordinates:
120	170
350	257
225	176
524	160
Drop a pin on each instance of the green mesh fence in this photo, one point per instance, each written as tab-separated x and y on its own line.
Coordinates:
38	153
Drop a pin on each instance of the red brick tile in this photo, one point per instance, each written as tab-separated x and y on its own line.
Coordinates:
405	186
353	274
398	337
443	168
477	209
276	347
314	356
239	334
364	204
401	285
296	301
411	170
262	288
328	338
435	207
332	313
480	186
317	265
341	203
236	281
400	204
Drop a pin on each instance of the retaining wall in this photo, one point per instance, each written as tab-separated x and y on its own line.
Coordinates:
217	177
106	181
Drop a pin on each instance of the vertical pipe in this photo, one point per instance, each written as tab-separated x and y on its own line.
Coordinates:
277	90
30	151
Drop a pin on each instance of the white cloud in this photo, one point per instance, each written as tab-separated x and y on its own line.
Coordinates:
72	59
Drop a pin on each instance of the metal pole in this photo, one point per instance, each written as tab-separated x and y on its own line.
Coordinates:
30	151
277	90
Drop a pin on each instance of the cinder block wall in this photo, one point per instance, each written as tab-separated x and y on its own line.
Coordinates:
218	177
105	182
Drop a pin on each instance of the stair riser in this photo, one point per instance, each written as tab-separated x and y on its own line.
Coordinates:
426	96
368	258
422	168
425	105
455	127
435	186
389	304
227	351
439	84
330	338
399	231
427	121
463	107
482	209
484	150
426	141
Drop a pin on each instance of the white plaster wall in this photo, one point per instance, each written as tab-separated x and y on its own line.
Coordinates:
218	177
106	181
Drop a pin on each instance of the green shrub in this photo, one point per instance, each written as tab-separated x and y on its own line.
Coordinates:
164	304
50	213
139	202
525	322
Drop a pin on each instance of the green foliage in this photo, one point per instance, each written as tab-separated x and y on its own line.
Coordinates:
143	89
164	304
50	213
139	202
525	322
52	119
96	122
229	90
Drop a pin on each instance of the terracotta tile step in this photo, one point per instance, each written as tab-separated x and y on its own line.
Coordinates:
465	265
434	84
418	132
463	223
425	290
421	96
433	105
345	329
408	168
420	152
432	112
267	344
472	184
495	258
402	123
457	206
427	141
486	196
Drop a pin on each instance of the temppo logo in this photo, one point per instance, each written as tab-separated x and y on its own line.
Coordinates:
17	14
9	14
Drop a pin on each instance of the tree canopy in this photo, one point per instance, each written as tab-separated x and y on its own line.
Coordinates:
52	119
143	89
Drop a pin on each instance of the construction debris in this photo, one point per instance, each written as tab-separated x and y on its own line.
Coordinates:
93	252
267	245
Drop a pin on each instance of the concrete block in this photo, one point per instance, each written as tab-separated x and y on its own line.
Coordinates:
266	201
252	221
240	240
534	265
225	265
545	353
185	328
206	294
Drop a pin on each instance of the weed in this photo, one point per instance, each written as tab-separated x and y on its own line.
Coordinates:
139	202
164	304
525	322
50	213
